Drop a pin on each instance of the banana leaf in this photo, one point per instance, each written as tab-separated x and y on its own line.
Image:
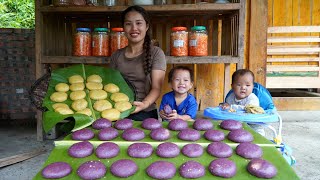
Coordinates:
270	153
51	118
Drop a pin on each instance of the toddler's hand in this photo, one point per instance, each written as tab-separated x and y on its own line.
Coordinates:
173	115
163	115
224	106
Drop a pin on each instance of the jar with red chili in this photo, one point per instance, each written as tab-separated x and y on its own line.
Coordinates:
100	42
118	39
82	42
198	41
179	41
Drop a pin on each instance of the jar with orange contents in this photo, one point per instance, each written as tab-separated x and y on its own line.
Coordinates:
82	42
100	42
198	41
179	41
118	39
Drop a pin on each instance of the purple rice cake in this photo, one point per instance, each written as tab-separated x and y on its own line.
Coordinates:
167	150
262	168
161	170
202	124
107	150
240	136
177	125
107	134
160	134
82	134
219	149
133	134
192	170
223	168
91	170
189	134
231	125
124	168
123	124
80	149
249	150
214	135
192	150
101	124
140	150
151	123
56	170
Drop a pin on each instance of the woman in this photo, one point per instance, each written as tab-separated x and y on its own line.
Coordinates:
140	63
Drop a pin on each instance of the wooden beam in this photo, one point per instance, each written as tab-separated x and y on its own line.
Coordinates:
292	68
306	59
293	29
287	39
297	103
293	82
258	39
20	157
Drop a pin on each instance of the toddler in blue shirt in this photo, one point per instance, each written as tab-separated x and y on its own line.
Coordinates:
183	104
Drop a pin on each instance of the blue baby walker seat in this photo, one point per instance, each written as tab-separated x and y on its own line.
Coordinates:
271	115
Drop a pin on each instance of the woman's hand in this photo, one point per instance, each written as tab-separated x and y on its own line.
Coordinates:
140	106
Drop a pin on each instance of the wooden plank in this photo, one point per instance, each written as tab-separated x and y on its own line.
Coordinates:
20	157
306	59
292	68
242	30
293	39
170	60
293	29
258	39
287	50
297	103
292	82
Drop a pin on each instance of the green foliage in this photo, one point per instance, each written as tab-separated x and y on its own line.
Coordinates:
17	14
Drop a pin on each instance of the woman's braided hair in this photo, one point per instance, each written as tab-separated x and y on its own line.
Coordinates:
147	65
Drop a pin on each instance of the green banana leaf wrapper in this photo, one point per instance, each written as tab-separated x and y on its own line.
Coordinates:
270	153
51	118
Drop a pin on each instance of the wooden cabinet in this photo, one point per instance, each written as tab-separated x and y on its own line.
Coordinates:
225	24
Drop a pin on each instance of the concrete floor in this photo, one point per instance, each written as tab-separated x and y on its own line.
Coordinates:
301	131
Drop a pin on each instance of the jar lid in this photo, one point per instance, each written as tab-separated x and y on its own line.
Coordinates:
179	28
117	29
101	29
83	29
198	28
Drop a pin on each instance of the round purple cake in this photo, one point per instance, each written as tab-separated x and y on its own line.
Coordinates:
82	134
107	134
124	168
240	135
223	168
219	150
231	125
262	168
133	134
123	124
192	150
192	170
202	124
160	134
161	170
177	125
56	170
249	150
81	149
167	150
189	134
92	170
214	135
151	123
101	124
140	150
107	150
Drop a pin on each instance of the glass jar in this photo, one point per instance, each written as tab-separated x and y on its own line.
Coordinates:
62	2
198	41
118	39
82	42
179	41
108	2
100	42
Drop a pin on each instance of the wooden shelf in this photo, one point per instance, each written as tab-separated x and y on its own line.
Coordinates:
170	60
162	10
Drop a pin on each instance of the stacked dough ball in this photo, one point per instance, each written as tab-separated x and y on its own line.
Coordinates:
97	93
